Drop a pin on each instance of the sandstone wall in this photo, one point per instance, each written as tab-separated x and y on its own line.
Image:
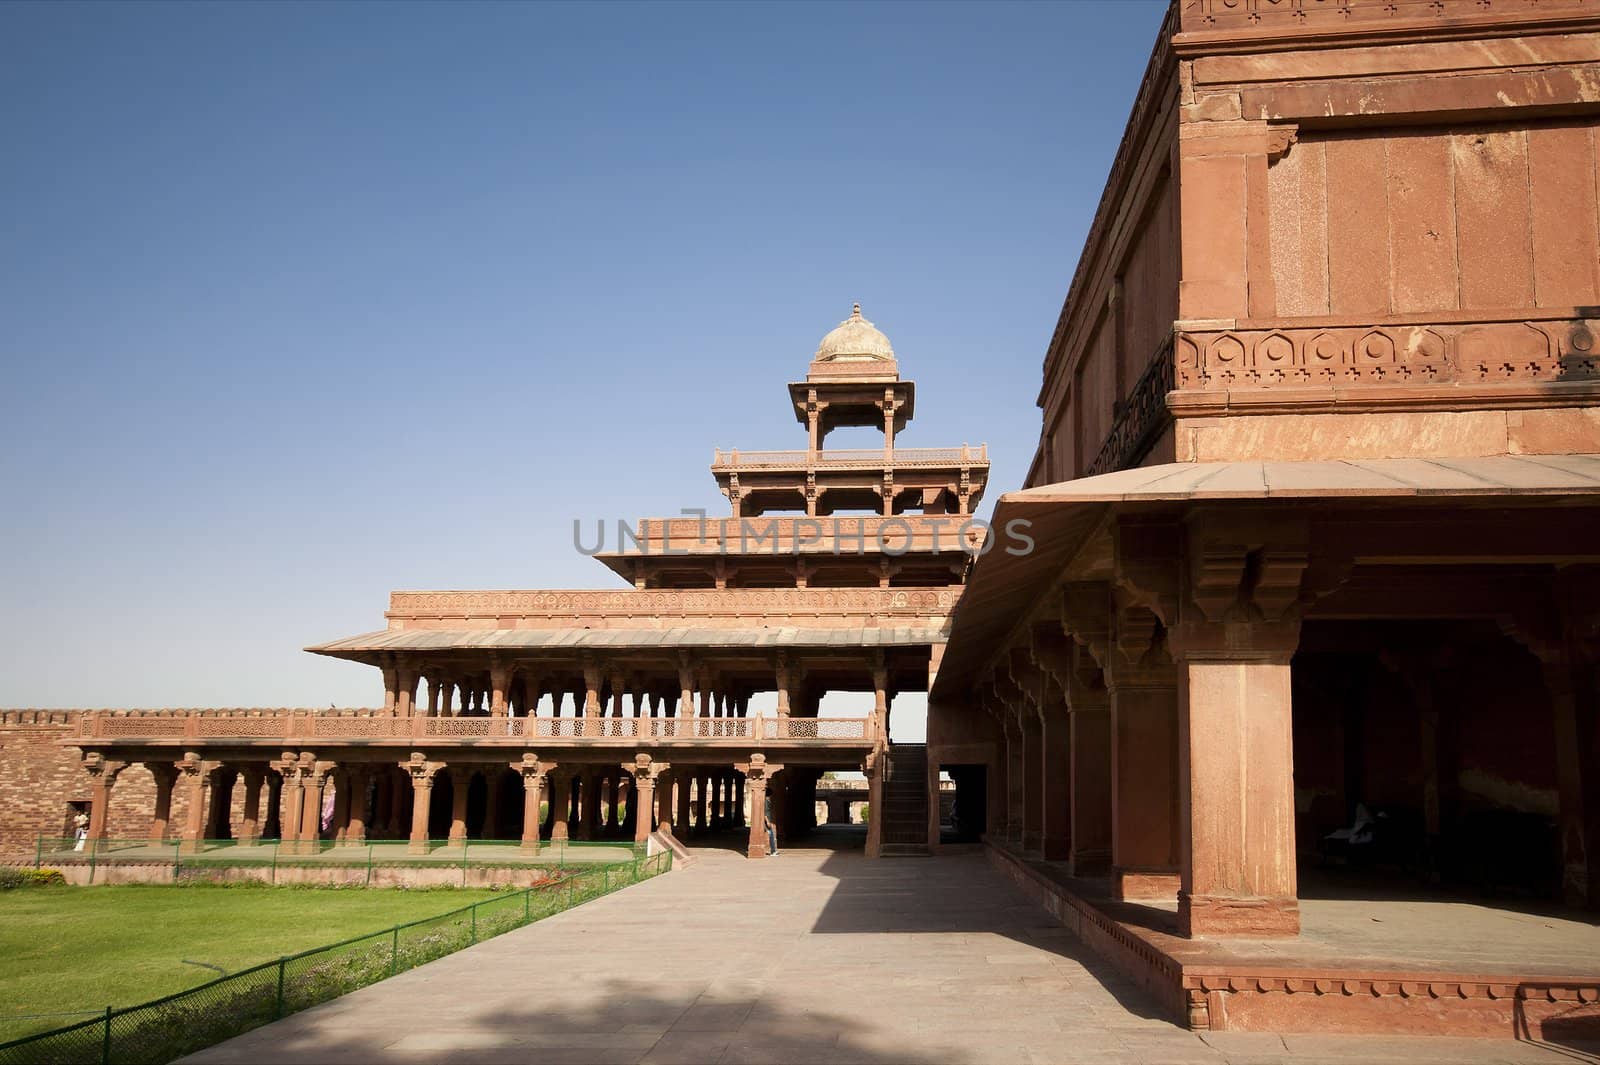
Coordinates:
41	780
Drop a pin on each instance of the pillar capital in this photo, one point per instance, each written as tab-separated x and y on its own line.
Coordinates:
758	770
420	769
193	765
645	770
102	770
533	770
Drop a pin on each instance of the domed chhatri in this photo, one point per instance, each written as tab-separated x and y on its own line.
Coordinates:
855	340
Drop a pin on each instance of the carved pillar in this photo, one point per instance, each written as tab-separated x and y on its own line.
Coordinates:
165	776
420	772
1238	627
1052	653
560	807
289	797
685	781
589	824
499	680
102	777
1143	689
642	799
491	804
406	674
341	803
1030	720
534	775
250	816
685	686
1562	630
195	773
758	773
591	690
391	688
874	768
314	777
460	786
356	780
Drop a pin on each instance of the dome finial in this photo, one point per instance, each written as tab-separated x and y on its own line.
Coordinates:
855	339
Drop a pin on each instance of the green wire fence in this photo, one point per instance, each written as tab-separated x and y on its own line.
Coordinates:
169	1028
356	861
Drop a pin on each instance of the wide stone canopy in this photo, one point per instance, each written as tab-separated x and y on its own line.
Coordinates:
1063	520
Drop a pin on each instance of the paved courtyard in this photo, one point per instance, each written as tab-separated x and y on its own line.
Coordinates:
815	956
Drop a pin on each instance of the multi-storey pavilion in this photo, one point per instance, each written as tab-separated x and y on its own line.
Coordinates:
498	702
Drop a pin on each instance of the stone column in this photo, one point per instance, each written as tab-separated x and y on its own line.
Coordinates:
1016	771
589	824
165	776
102	776
491	804
1236	626
290	796
195	773
560	807
341	803
1143	688
250	828
499	679
873	767
642	798
420	772
534	775
685	686
355	828
613	818
758	772
591	694
314	777
460	785
664	801
1056	724
1237	783
739	820
684	822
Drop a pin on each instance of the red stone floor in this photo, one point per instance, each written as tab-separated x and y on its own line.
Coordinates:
818	955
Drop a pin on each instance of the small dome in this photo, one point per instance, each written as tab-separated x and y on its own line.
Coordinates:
855	340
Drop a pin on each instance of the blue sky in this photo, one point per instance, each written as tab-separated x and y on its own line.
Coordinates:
303	302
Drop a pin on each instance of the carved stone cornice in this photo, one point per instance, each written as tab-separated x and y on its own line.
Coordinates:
1470	352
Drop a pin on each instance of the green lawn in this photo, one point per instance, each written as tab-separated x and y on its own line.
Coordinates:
86	948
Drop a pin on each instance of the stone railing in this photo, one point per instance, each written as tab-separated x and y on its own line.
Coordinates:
309	726
872	458
1140	420
854	534
616	609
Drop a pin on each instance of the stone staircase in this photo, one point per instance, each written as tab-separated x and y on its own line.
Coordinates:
905	798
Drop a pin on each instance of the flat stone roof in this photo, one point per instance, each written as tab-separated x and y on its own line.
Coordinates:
629	639
1003	587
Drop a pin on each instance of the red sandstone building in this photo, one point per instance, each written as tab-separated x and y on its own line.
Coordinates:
583	704
1315	507
1317	499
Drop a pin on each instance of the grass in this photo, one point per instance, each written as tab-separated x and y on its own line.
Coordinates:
82	949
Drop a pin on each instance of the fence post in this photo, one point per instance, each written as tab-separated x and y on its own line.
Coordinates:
38	853
275	847
282	962
369	865
105	1041
474	922
394	952
527	906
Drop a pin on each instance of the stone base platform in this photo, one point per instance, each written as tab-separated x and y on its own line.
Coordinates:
1406	962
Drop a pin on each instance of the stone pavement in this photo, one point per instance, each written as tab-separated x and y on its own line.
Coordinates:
814	956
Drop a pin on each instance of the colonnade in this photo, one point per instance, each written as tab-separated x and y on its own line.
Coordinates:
304	800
